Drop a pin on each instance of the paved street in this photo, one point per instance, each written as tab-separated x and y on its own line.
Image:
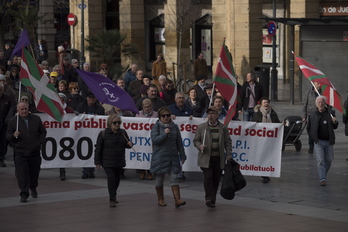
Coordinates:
294	202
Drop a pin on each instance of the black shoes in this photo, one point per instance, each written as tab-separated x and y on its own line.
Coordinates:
34	193
23	199
86	176
266	179
210	204
2	164
62	175
310	150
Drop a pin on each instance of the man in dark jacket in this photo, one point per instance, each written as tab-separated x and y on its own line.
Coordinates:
251	93
26	140
5	106
130	75
321	125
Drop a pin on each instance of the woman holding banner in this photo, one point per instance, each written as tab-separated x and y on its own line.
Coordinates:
110	154
168	155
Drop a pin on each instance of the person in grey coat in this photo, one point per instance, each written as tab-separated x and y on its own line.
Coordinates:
214	143
168	155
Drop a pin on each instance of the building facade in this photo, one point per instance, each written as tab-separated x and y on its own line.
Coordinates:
180	29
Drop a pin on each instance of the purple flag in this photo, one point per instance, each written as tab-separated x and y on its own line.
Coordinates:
23	41
107	91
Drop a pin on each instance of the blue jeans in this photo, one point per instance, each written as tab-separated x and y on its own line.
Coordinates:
324	155
248	114
173	178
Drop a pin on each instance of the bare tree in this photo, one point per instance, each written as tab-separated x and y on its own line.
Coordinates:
180	18
5	18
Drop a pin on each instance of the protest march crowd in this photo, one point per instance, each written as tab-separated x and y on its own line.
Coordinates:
154	96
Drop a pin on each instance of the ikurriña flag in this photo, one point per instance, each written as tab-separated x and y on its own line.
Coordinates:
327	88
45	95
226	81
107	91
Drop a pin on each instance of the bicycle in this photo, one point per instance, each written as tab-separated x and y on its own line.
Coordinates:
181	85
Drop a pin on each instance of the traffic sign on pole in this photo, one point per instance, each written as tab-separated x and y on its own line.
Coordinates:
272	28
71	19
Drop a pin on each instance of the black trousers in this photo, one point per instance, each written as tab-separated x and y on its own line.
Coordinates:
27	172
113	178
212	176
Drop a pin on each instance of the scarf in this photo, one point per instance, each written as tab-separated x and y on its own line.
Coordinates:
266	114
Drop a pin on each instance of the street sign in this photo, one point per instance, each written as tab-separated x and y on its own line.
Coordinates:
82	5
71	19
272	28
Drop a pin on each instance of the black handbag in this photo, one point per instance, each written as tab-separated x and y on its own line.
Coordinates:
232	181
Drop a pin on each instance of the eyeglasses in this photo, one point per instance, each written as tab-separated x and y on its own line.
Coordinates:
117	122
165	115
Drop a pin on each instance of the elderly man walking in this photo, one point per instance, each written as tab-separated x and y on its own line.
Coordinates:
321	125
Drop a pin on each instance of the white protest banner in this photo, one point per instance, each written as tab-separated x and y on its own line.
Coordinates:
256	146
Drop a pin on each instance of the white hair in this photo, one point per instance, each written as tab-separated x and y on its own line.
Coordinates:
162	77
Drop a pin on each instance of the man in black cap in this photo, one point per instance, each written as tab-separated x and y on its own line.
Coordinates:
214	143
207	100
200	86
65	65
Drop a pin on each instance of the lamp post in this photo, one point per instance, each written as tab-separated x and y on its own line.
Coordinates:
82	55
274	72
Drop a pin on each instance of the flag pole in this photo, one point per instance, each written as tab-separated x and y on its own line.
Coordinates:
319	95
19	99
212	94
132	146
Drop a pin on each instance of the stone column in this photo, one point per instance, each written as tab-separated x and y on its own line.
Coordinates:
133	25
238	21
46	30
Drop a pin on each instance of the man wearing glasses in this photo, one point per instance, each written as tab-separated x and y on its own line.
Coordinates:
103	70
72	75
212	141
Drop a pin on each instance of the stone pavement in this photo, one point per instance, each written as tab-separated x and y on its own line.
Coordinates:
293	202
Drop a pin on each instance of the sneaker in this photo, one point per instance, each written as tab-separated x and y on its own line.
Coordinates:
149	176
85	176
112	204
266	179
34	193
323	183
2	164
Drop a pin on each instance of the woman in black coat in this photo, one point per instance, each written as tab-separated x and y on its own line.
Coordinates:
110	153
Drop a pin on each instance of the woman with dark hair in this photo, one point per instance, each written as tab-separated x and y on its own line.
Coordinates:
110	154
168	155
167	94
265	114
74	98
194	102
